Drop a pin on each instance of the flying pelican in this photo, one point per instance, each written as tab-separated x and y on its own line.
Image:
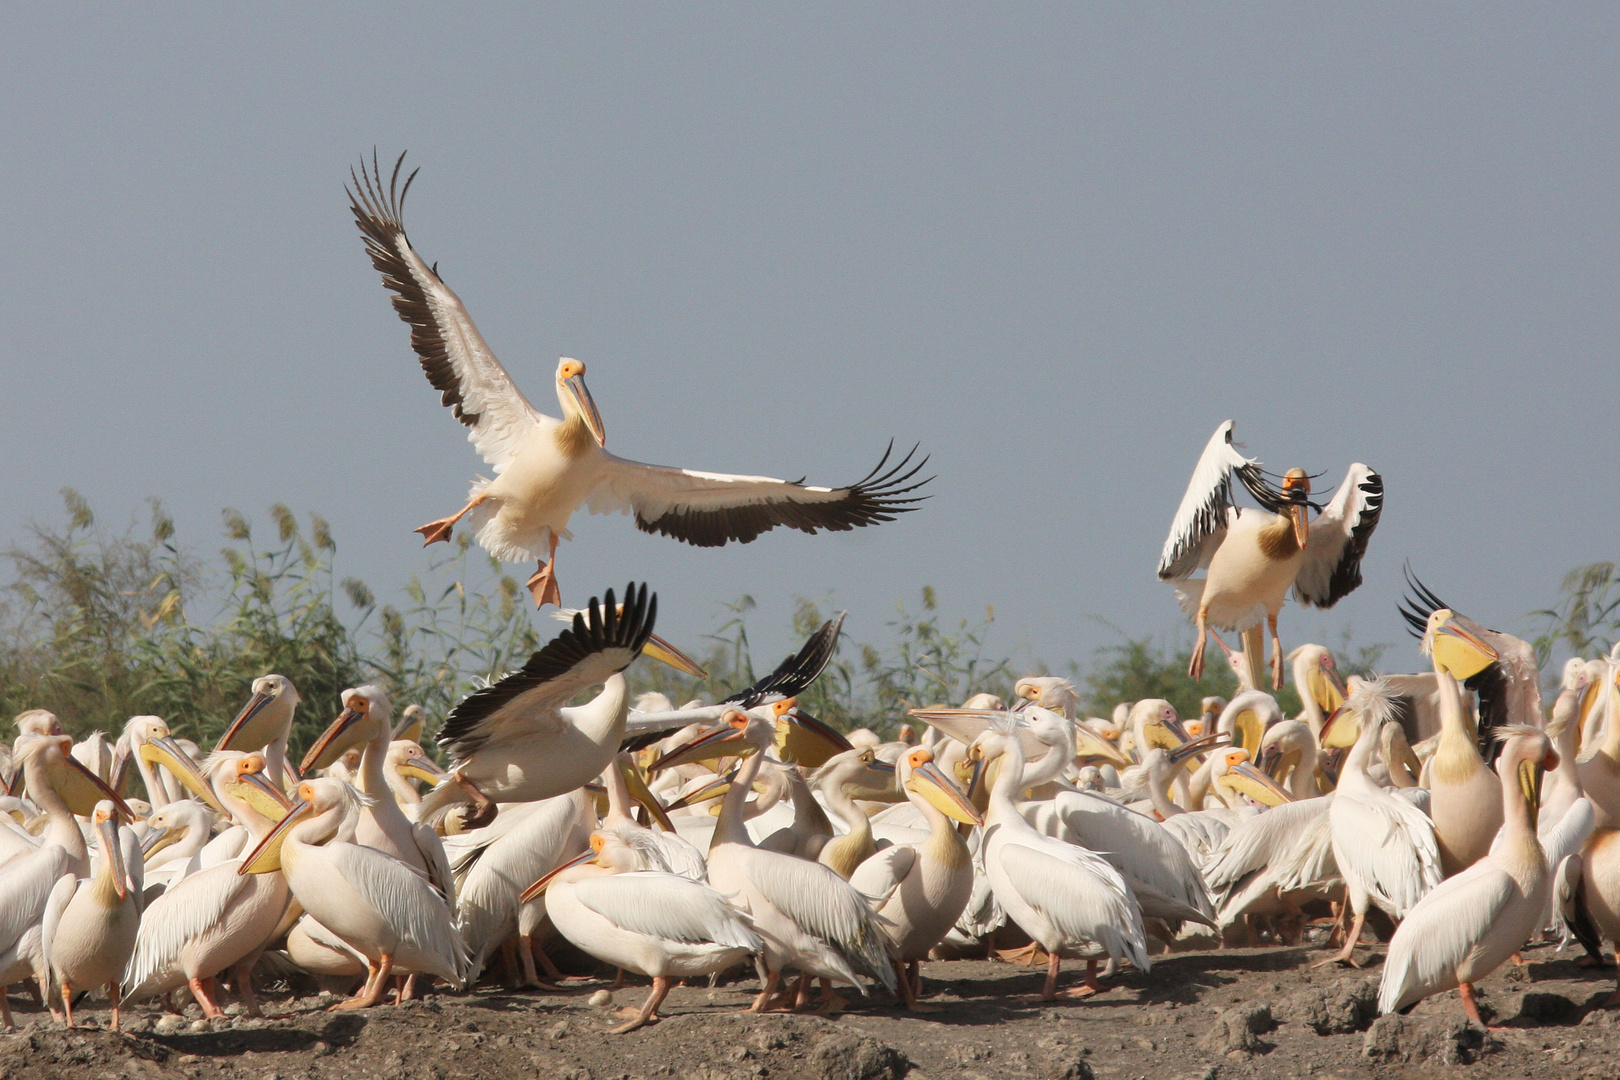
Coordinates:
648	921
378	905
520	741
1253	557
89	926
809	917
546	469
265	723
1384	845
924	887
1465	927
367	721
1064	897
216	919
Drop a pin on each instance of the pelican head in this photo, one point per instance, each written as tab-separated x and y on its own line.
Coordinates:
38	722
1049	692
1242	778
172	824
737	734
266	717
365	710
920	776
409	760
576	400
411	722
1296	488
1455	648
1529	754
316	798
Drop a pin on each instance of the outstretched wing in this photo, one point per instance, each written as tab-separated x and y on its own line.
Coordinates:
582	656
1338	540
711	509
457	362
1200	520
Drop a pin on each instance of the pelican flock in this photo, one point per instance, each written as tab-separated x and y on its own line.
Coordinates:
743	838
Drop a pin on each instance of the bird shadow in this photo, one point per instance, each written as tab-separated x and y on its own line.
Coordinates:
340	1031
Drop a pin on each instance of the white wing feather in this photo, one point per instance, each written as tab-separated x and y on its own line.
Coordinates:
879	875
405	901
25	889
1081	893
182	913
1200	521
1436	935
61	895
669	907
1388	845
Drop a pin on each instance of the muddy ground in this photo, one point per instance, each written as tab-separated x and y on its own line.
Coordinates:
1228	1014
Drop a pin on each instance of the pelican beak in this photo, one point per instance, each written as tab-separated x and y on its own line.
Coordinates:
173	757
1302	524
1341	729
714	789
264	797
119	773
266	858
1270	758
540	886
1326	688
723	741
932	786
332	744
1245	779
255	705
878	783
1460	653
14	783
1530	773
81	789
424	769
1193	747
587	407
113	851
640	793
156	840
1250	731
801	739
976	778
1091	747
662	651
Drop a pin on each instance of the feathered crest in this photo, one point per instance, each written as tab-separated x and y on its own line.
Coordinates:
1373	700
1008	723
1503	732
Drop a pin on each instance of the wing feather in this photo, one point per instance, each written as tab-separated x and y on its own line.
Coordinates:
182	913
1338	540
710	509
1437	934
583	655
25	889
1389	845
407	902
1200	521
453	354
1096	907
668	906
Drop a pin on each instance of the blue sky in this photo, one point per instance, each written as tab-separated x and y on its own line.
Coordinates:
1056	245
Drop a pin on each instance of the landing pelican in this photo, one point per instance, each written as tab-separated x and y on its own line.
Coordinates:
1255	556
546	469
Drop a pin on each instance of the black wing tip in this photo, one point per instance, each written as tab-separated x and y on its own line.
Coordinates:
795	674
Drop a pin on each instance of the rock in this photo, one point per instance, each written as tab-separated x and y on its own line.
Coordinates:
1335	1009
600	1000
1234	1033
169	1023
1077	1069
1549	1009
197	1027
843	1056
1430	1039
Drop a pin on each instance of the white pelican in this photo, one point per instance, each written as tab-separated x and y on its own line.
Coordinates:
1599	766
1255	556
265	723
680	856
1466	926
651	922
1384	845
375	903
161	788
546	469
849	849
519	740
407	765
923	888
1290	754
367	721
174	840
1273	861
89	925
1465	796
1067	899
215	919
95	753
809	917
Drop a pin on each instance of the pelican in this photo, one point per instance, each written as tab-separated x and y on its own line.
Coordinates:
265	723
1274	861
1465	797
90	924
96	754
844	852
161	788
1384	846
652	922
1290	753
546	469
175	837
406	765
809	917
1599	767
367	720
519	740
1316	678
1466	926
1253	557
924	887
679	856
375	903
215	919
1064	897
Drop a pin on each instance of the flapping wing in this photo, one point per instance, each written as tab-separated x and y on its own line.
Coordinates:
1332	567
582	656
457	362
1200	520
667	906
711	509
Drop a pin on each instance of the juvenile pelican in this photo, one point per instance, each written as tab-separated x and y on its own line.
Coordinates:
89	927
1466	926
378	905
1064	897
652	922
546	469
1255	556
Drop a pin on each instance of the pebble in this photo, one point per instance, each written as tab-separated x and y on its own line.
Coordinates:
601	999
